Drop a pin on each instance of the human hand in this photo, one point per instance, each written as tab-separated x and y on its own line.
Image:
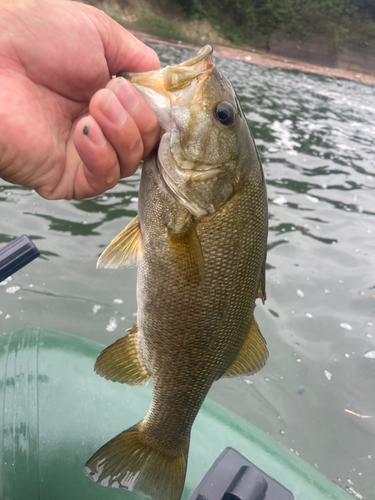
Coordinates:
61	132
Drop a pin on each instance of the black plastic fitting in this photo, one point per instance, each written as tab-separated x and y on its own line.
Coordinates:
16	255
233	477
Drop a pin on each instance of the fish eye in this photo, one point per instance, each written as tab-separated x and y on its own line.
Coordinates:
225	113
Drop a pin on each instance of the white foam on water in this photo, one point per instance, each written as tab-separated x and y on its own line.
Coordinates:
327	375
6	281
346	326
312	198
280	200
96	308
112	325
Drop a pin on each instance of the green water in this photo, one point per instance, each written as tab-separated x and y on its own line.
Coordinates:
316	138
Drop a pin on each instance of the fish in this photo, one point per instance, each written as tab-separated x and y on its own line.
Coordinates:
199	241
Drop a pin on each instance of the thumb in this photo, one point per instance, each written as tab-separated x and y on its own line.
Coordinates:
123	51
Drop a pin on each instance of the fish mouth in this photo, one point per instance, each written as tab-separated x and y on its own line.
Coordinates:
173	79
204	55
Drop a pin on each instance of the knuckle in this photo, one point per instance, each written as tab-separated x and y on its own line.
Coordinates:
151	125
135	145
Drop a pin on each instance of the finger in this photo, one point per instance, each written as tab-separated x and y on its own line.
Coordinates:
139	109
123	51
119	128
100	170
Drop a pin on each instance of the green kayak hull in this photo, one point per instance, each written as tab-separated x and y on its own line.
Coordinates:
55	412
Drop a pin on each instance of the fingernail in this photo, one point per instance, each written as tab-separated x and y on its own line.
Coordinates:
112	108
125	93
92	130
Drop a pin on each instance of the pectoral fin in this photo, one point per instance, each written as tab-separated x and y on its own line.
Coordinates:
253	354
186	250
120	362
124	250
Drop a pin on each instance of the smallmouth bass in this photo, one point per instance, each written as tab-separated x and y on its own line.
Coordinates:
200	244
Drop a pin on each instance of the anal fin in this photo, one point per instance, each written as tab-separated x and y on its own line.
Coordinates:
252	355
120	362
124	250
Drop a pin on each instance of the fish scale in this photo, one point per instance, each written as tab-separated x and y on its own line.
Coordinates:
200	243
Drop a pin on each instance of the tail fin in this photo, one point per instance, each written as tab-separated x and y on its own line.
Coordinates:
126	462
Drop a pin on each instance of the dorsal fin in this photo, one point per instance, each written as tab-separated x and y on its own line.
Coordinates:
124	250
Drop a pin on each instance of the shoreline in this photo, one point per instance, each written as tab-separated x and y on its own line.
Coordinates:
266	59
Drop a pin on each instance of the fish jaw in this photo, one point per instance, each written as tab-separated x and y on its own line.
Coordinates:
174	78
173	86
